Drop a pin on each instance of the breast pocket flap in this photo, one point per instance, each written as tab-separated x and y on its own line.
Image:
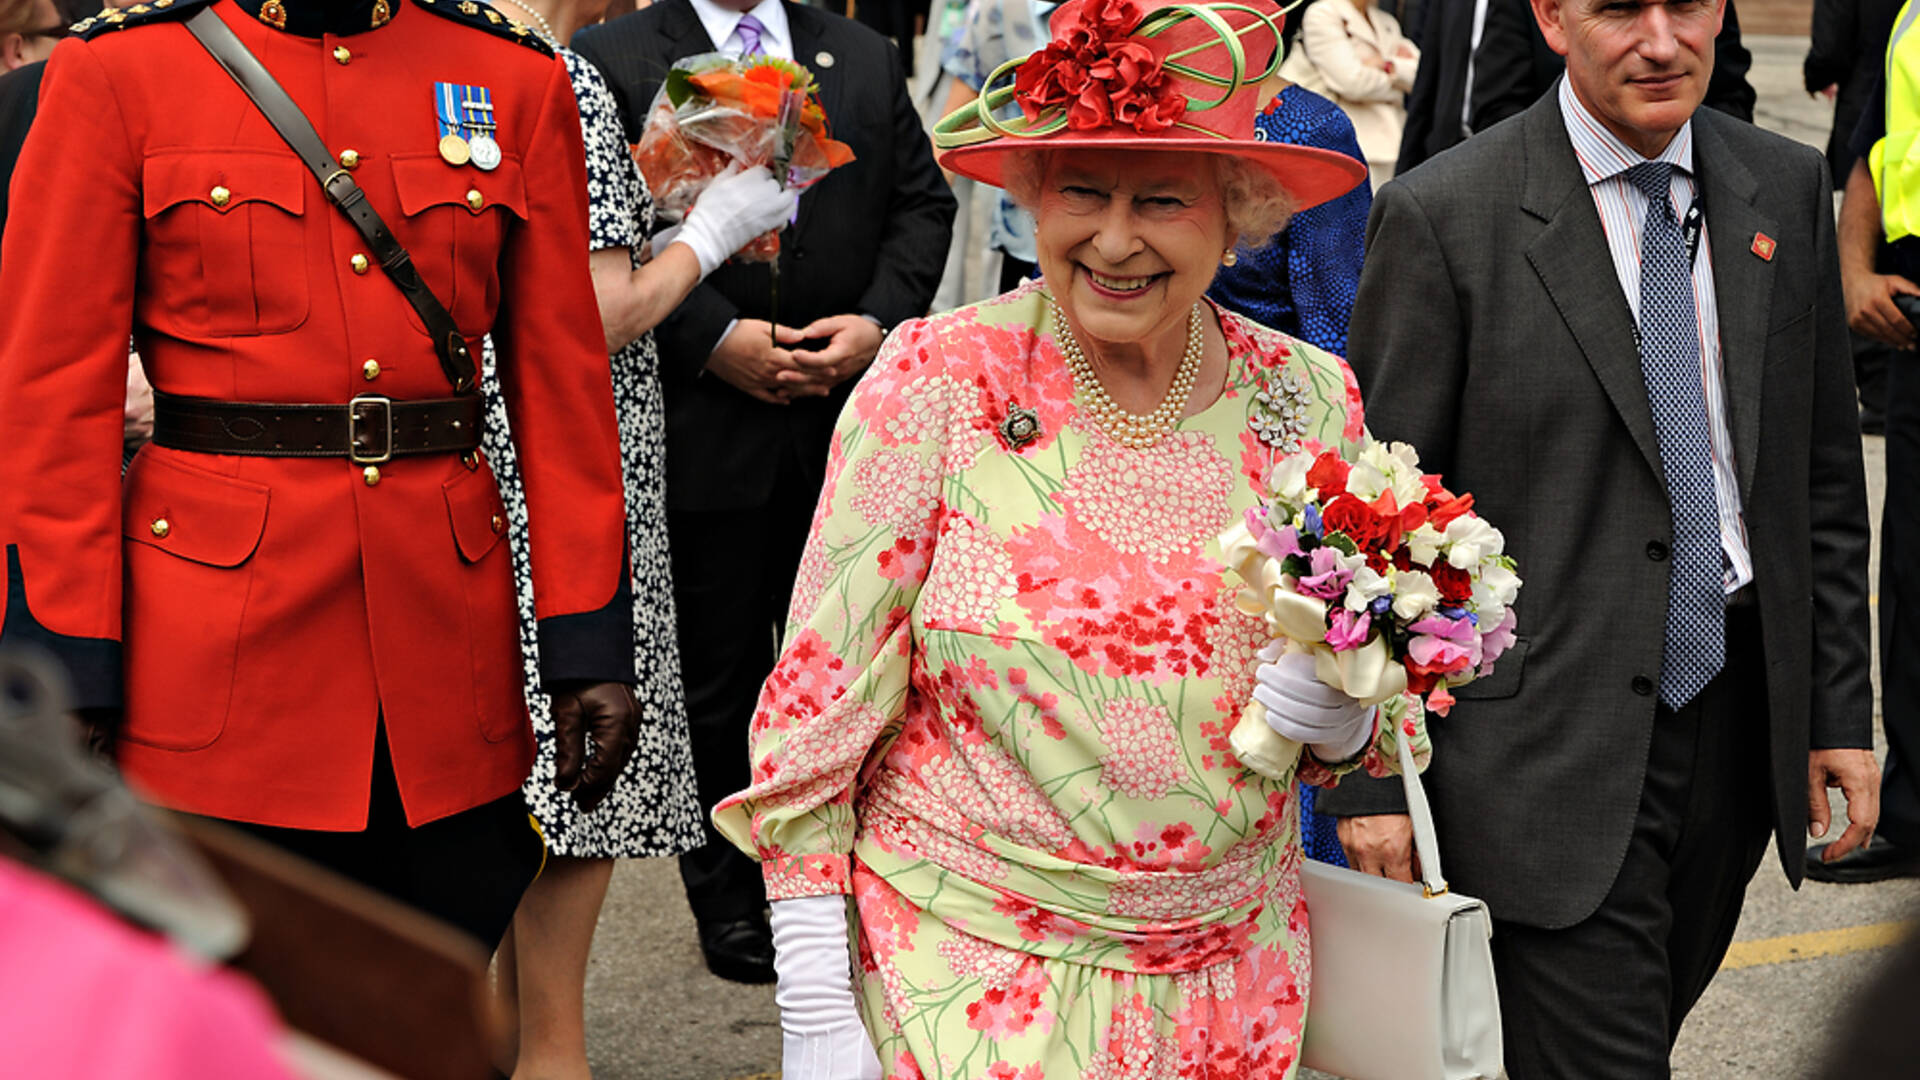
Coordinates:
423	181
1504	682
224	182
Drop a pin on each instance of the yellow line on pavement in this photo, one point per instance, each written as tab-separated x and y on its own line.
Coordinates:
1850	939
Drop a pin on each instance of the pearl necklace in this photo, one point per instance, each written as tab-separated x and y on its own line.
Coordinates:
1134	430
541	25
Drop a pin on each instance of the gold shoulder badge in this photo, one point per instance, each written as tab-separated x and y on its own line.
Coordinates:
482	17
141	14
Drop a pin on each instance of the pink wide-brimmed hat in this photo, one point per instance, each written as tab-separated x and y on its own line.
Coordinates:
1186	78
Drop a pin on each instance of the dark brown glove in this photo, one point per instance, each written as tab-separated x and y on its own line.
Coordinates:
603	715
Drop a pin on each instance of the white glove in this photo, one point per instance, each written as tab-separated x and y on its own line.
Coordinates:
821	1034
1306	710
736	207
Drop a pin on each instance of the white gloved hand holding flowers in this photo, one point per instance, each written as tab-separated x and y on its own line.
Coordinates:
1302	708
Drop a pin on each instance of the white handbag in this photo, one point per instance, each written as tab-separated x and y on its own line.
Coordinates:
1403	983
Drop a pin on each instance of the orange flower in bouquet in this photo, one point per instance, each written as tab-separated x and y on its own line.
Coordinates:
714	112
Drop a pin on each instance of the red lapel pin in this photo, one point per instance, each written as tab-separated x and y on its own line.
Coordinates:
1763	246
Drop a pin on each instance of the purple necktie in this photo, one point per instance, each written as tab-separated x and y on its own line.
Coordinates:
749	29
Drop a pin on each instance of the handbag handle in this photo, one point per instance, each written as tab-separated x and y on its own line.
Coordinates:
1426	842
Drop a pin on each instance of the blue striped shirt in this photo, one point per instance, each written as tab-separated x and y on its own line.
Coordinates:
1604	159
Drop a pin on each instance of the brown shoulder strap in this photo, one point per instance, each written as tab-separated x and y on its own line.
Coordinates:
292	124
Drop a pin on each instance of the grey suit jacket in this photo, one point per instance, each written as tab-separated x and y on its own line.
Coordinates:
1492	334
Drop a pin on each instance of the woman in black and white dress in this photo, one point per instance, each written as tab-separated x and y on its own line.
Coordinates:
654	809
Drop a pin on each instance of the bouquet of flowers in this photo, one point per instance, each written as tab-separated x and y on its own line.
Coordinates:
713	112
1397	588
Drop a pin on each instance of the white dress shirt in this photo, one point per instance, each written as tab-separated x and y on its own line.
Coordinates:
1623	217
776	39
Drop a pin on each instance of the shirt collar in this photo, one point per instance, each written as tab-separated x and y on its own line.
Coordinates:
314	18
719	23
1602	154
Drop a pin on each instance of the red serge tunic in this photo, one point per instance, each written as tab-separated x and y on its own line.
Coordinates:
287	605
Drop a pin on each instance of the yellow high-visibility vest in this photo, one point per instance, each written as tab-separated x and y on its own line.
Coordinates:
1895	159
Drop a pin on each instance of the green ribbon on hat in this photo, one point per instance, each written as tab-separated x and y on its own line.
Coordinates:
974	122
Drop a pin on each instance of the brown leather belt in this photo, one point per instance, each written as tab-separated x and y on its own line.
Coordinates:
367	430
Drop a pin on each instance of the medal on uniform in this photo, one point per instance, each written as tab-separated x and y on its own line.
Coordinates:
476	118
454	148
486	152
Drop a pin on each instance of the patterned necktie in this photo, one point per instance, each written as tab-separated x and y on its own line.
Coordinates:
748	30
1696	644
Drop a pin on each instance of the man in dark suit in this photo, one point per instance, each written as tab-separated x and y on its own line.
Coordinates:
1436	106
1617	320
750	408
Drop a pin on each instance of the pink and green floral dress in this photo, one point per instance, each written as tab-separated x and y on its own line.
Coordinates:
1000	719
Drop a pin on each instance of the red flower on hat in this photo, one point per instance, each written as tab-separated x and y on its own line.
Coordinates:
1099	75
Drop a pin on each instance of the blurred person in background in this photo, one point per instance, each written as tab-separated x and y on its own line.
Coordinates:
994	32
1302	281
1353	53
29	29
1879	243
1843	64
655	809
1437	106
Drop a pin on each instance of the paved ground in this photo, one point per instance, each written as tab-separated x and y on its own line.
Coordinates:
655	1013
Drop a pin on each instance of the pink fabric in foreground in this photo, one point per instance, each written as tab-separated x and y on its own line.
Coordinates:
84	996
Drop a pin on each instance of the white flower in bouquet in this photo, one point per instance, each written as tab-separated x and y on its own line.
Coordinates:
1366	587
1425	543
1499	579
1471	540
1414	594
1387	467
1288	480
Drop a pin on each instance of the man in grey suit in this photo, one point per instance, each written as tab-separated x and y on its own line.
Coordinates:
1617	320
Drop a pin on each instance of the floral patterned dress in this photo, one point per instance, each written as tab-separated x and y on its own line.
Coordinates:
1000	720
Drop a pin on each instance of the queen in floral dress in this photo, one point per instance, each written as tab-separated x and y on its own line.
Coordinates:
1000	721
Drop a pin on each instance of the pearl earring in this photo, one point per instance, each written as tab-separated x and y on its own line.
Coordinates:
1230	258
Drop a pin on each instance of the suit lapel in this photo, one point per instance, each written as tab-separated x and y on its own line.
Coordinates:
1574	264
684	32
1742	285
808	46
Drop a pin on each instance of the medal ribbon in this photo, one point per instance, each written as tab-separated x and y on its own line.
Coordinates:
476	109
448	107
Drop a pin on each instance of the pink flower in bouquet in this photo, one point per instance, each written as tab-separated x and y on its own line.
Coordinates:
1328	575
1497	640
1349	630
1443	646
1273	543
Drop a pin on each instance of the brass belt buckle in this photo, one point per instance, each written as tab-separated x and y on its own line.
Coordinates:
356	449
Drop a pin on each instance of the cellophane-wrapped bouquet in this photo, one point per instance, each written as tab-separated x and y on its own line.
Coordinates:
1394	585
714	111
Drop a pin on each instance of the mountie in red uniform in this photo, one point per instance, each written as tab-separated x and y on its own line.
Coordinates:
269	617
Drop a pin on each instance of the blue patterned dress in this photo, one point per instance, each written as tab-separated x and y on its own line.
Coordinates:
1303	284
